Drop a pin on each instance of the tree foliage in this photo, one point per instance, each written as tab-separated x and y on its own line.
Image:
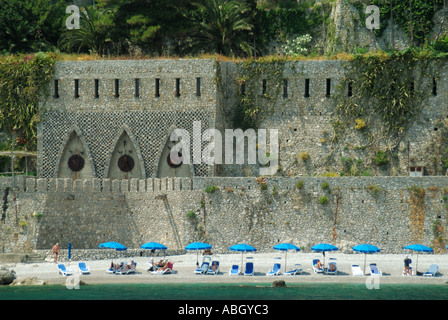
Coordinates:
221	27
27	26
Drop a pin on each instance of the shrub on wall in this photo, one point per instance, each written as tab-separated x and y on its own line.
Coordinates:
22	79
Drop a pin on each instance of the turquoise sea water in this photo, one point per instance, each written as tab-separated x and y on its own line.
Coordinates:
201	291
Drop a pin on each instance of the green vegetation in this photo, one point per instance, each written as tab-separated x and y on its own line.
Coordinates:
323	200
22	78
191	215
381	158
300	184
211	189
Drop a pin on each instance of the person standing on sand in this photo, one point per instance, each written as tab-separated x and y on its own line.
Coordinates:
55	250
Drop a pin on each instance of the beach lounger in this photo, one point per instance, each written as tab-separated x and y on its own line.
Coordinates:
374	271
83	268
125	271
234	270
292	272
332	268
210	269
63	270
275	271
167	270
203	269
315	268
432	271
356	270
249	271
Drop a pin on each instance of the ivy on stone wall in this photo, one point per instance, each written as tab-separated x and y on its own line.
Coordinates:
386	87
261	83
22	79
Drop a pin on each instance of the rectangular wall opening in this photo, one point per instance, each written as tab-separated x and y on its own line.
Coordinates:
307	88
198	87
285	88
177	87
76	88
263	86
328	88
137	88
157	93
56	89
117	88
97	88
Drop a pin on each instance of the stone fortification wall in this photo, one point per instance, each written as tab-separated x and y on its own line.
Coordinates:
389	212
299	99
93	106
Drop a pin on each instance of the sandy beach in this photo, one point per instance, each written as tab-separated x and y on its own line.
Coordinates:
391	266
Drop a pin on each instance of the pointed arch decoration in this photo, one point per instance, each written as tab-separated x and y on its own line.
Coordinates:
75	159
126	160
165	167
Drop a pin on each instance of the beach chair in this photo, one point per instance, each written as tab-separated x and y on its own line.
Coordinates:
234	270
83	268
249	270
210	269
315	268
356	270
275	271
292	272
332	267
374	271
167	270
203	269
63	270
128	270
432	271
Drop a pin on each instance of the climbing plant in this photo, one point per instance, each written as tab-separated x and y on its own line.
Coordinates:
261	83
22	79
385	87
414	17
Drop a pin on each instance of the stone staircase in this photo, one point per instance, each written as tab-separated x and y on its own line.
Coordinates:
35	258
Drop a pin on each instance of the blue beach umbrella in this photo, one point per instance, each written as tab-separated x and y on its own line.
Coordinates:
198	246
113	245
242	247
153	246
366	248
285	247
418	248
324	247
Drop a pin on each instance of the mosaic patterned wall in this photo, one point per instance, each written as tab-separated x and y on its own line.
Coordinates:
99	131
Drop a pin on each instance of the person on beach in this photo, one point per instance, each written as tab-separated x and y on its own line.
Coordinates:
214	266
55	250
318	265
164	267
407	263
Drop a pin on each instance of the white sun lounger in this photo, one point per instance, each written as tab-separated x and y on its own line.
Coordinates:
356	270
432	271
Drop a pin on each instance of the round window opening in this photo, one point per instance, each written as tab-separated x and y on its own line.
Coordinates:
126	163
76	163
174	161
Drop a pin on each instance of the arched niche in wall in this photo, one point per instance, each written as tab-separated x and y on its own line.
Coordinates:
75	160
126	161
166	167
